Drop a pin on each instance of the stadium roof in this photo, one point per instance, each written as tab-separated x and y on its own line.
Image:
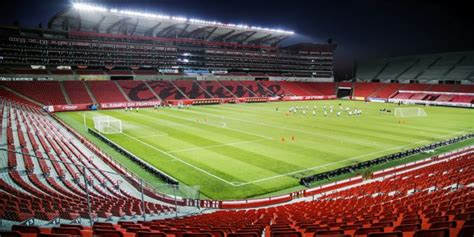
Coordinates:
84	17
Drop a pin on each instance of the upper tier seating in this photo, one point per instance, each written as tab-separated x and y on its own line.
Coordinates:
366	89
45	92
166	90
293	88
215	89
106	91
137	90
318	88
237	89
77	92
256	88
191	90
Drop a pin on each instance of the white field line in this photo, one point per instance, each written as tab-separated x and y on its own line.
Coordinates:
180	160
237	184
353	141
222	126
219	145
328	164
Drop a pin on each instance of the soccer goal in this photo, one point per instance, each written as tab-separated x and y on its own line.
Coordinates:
410	112
107	125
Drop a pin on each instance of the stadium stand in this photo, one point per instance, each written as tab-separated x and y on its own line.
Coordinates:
106	91
77	92
433	68
32	189
237	89
215	89
45	92
191	89
166	90
137	90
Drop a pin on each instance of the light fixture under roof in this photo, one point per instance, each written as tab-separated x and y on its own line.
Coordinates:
91	7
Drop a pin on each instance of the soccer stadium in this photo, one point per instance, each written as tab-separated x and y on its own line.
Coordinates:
127	123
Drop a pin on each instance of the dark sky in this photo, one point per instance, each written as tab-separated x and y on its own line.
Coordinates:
362	29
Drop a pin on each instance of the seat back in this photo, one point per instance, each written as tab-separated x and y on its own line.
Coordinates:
149	234
10	234
243	234
286	234
26	229
66	230
387	234
316	229
438	219
71	225
406	228
443	224
382	224
197	235
466	231
444	232
52	235
365	231
108	233
328	232
411	222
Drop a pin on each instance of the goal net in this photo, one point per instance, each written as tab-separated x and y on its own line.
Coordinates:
107	125
410	112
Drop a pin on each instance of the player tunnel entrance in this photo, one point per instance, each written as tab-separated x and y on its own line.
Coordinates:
344	92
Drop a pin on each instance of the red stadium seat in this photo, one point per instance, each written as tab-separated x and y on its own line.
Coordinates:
243	234
443	224
108	233
66	230
149	234
432	233
10	234
387	234
406	228
26	229
52	235
365	231
466	231
286	234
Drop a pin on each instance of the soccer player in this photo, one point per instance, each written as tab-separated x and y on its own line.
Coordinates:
137	109
304	112
338	113
350	113
126	108
325	113
324	106
314	113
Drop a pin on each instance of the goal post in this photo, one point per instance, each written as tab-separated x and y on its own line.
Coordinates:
410	112
107	125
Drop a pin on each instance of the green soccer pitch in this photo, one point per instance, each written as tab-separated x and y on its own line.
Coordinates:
234	151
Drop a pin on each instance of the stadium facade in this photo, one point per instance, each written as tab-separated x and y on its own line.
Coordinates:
86	42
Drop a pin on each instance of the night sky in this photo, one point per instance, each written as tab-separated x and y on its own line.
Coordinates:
362	29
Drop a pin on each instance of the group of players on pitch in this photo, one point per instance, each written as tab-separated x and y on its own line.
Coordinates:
326	110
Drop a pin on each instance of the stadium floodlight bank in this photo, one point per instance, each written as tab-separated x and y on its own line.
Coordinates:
107	125
410	112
